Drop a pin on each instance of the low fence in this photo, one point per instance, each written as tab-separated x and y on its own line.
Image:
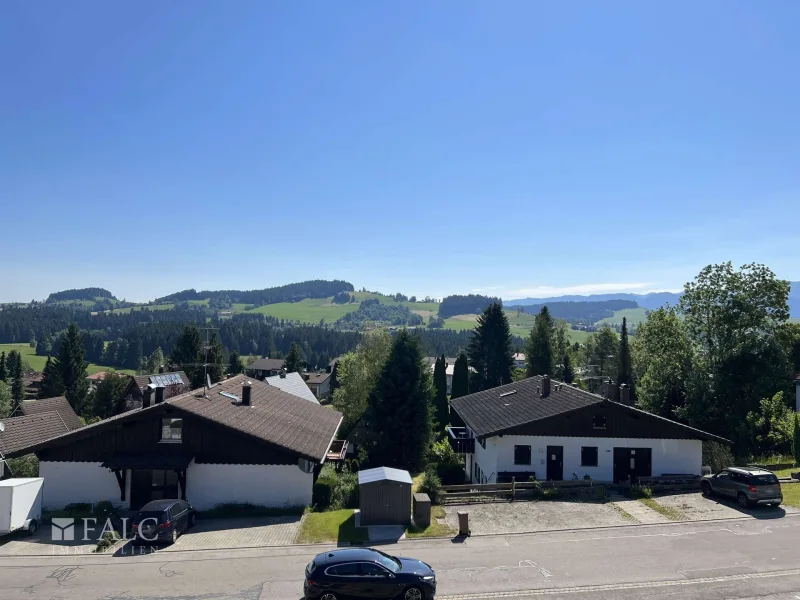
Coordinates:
472	492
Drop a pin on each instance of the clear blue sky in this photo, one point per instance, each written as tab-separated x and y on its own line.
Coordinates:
423	147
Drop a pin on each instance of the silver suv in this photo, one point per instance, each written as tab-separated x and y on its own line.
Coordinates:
749	485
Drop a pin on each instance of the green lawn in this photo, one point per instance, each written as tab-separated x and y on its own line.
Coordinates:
791	494
331	526
634	316
149	307
435	529
37	362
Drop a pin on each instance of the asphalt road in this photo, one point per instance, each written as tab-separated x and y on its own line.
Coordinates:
725	559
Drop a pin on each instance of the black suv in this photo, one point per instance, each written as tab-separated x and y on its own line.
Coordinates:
367	573
162	521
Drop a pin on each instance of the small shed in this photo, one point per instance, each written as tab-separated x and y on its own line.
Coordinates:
385	496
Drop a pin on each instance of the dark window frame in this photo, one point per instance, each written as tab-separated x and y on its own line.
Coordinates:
599	421
522	447
596	456
171	437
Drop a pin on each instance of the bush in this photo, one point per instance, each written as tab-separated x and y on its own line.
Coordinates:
105	542
323	490
432	485
640	491
345	491
601	493
446	463
451	474
103	509
717	456
551	494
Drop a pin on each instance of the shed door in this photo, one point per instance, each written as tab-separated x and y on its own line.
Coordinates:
632	463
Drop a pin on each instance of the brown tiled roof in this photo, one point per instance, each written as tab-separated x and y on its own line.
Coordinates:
317	378
266	364
492	412
28	430
142	381
274	416
59	404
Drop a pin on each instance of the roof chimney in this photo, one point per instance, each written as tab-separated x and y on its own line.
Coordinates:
148	396
159	394
246	393
625	395
545	386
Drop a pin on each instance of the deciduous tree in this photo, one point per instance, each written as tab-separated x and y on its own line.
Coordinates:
358	373
398	418
771	427
442	409
490	351
155	361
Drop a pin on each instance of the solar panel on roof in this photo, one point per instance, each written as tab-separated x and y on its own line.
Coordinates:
176	379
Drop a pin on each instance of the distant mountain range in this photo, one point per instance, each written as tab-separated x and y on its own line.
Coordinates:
650	301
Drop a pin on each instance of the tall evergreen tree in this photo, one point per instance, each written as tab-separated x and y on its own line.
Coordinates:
539	347
71	368
215	358
294	363
17	386
51	381
569	371
460	377
186	355
5	400
235	365
625	370
3	372
440	387
489	350
398	419
11	364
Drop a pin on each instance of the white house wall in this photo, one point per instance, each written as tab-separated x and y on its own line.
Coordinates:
668	456
78	482
208	485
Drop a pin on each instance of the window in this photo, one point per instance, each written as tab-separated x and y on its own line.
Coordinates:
171	429
589	456
522	455
599	422
346	570
764	480
372	570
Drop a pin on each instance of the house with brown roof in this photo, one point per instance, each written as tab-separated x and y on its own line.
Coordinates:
319	384
23	431
265	367
553	431
174	383
241	441
59	404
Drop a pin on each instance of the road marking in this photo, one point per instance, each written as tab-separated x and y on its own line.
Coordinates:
622	586
529	563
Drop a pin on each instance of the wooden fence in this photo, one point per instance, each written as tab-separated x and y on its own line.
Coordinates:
512	491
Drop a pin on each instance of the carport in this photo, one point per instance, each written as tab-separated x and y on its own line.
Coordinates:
385	496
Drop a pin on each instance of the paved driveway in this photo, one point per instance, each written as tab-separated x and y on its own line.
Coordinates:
696	507
219	534
42	544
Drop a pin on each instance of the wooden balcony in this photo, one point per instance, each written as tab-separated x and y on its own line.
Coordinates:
337	451
460	441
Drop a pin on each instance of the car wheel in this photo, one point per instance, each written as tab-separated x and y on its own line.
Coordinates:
33	527
742	500
413	593
706	489
328	596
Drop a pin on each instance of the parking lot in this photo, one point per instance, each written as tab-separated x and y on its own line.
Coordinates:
521	517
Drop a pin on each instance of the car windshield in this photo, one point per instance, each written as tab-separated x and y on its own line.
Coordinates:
764	480
390	562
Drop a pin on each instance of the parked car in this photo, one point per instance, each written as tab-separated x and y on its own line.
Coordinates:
748	485
367	573
162	521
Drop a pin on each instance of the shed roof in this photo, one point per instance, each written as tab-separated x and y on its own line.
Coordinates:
383	474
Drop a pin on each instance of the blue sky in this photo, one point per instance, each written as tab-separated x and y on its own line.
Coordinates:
518	148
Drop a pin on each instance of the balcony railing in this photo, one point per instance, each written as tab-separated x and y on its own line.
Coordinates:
460	441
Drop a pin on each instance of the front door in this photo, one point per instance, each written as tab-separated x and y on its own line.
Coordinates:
632	463
555	463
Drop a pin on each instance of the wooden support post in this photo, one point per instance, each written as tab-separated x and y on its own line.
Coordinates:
120	475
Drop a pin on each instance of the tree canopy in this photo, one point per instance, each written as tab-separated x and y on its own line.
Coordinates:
460	376
70	365
442	409
539	347
490	351
294	364
399	413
